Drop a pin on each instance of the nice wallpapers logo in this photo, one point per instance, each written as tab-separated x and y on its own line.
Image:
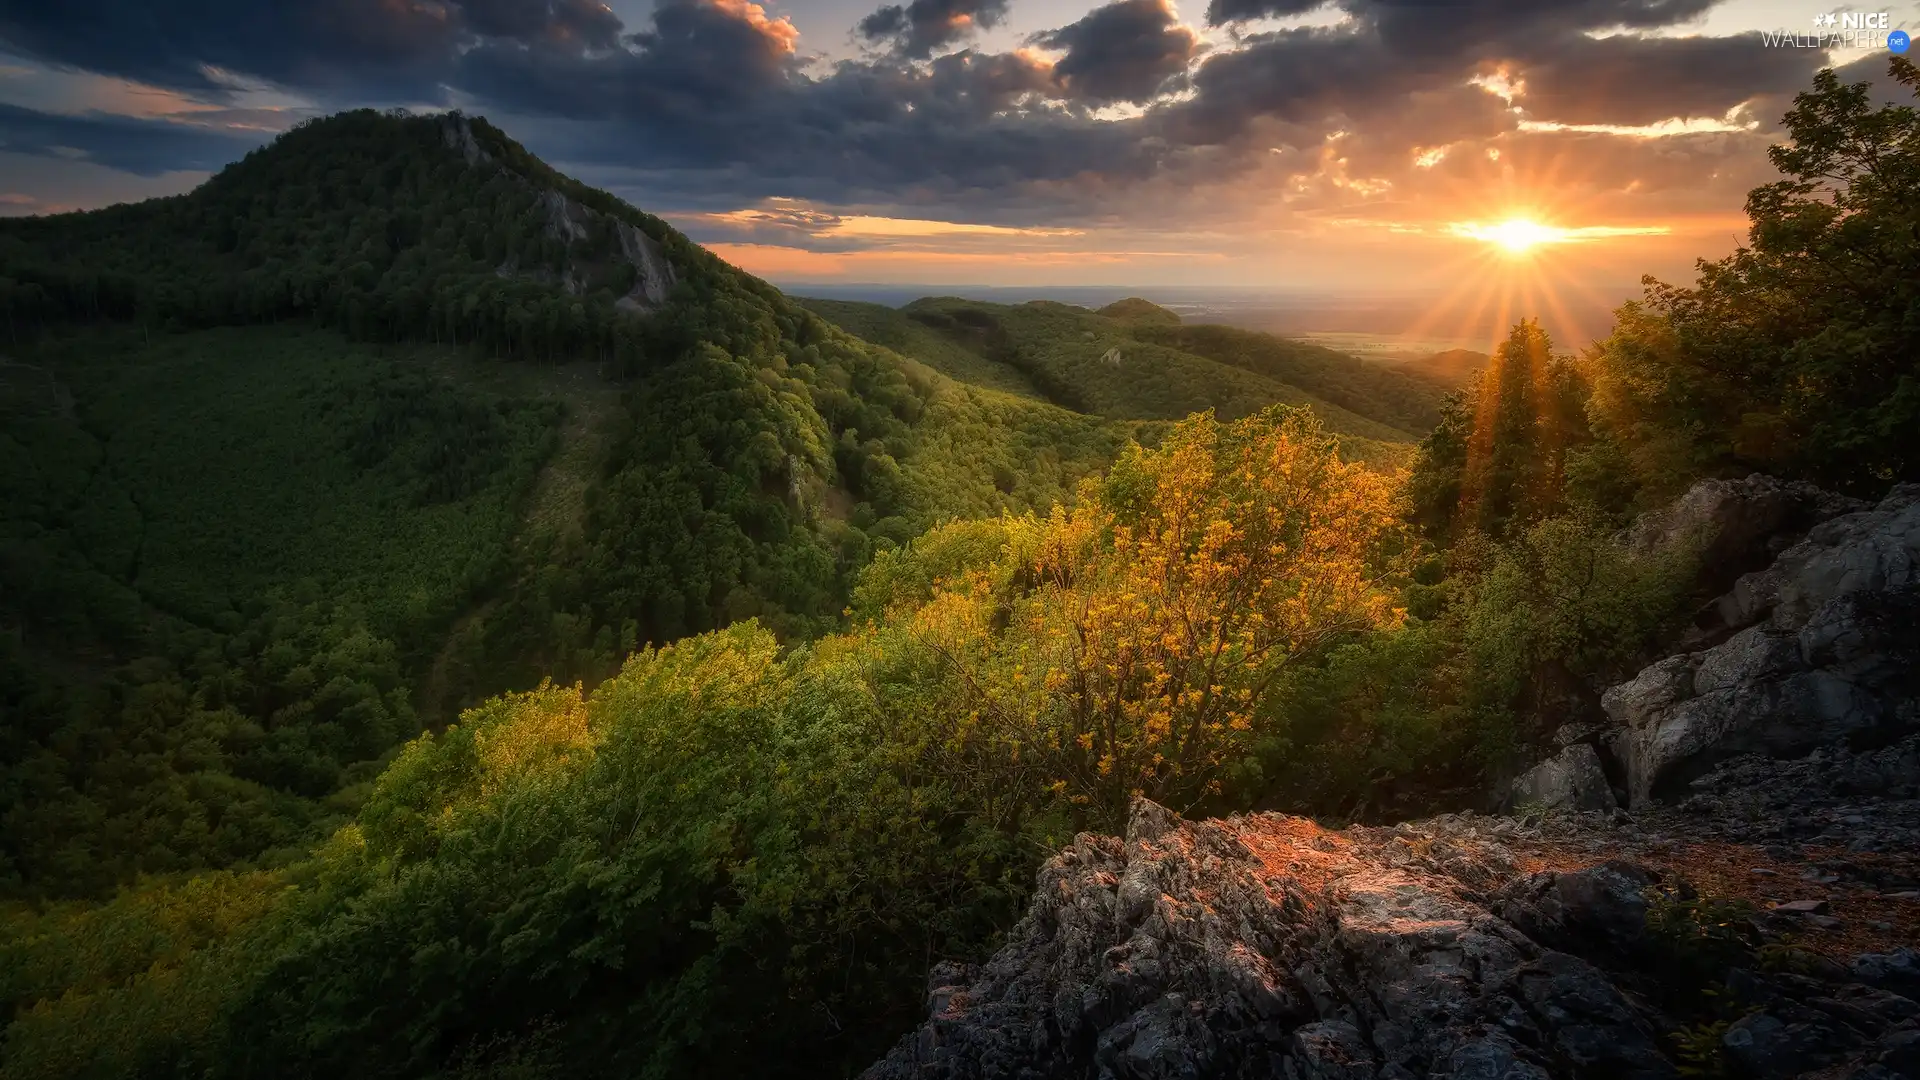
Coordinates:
1843	30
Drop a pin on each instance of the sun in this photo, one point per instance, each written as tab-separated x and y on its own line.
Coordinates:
1518	236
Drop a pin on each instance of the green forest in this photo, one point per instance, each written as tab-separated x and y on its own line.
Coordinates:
452	625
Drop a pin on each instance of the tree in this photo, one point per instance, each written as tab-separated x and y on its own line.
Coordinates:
1498	458
1799	353
1143	627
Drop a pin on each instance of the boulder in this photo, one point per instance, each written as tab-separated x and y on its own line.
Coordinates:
1266	946
1825	651
1785	1041
1737	524
1599	912
1571	779
1864	551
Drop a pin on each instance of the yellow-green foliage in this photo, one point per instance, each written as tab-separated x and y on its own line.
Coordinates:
1125	647
1090	363
741	850
894	329
136	984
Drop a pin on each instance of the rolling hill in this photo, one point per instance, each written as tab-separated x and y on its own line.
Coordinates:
1452	368
1133	360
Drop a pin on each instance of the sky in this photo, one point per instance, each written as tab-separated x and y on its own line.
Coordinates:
1357	145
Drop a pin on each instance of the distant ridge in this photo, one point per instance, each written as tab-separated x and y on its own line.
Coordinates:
1133	309
1135	360
1453	368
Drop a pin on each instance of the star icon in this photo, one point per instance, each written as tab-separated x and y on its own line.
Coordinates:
1830	18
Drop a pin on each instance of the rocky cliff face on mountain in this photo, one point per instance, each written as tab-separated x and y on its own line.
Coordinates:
1751	911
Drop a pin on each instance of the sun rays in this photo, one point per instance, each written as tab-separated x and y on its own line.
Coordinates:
1516	236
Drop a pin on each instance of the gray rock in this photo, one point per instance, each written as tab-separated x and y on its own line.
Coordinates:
1786	1040
1571	779
1865	551
1567	734
1263	946
1897	972
1900	1051
1600	911
1825	653
1731	522
1329	1050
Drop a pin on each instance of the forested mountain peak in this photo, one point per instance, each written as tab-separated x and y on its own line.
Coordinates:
608	241
1134	309
369	218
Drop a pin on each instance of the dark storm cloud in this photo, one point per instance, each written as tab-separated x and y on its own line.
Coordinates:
561	22
916	30
141	147
1467	27
952	129
1126	51
1642	80
365	48
1448	21
1220	12
710	101
307	44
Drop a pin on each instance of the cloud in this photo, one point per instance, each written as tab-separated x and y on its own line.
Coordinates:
143	147
563	23
398	49
1128	50
338	44
917	29
1630	80
710	105
1221	12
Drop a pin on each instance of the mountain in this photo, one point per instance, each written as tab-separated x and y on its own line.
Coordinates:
791	660
1383	394
1134	309
910	337
1144	366
1452	368
385	418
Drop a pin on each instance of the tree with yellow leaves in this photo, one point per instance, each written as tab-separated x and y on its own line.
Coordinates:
1129	650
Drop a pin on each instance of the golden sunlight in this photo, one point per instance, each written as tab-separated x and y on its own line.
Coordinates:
1516	236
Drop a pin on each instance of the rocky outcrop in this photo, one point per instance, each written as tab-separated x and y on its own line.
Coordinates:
1737	525
1572	780
1266	946
653	273
1824	651
568	220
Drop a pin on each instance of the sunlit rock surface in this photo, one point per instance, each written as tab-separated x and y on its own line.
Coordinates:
1267	946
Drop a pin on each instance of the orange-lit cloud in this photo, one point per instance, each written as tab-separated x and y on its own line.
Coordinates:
823	225
939	265
778	30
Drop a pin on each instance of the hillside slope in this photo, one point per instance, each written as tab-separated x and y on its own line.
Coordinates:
1452	369
1384	394
234	373
1134	360
910	337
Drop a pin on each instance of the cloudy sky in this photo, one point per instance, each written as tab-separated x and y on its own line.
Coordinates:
1275	143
